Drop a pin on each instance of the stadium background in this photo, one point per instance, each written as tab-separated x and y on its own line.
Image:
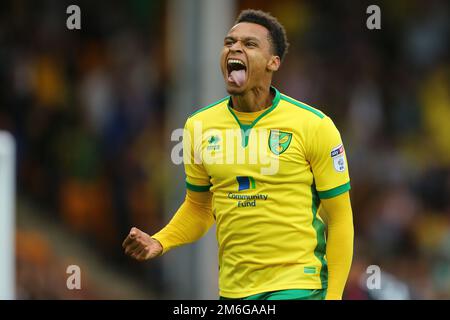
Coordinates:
92	113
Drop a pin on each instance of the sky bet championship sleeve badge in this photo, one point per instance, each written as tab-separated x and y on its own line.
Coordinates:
279	141
337	154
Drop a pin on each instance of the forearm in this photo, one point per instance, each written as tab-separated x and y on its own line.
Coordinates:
339	245
192	220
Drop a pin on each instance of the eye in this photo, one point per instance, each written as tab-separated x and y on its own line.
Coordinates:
229	42
251	44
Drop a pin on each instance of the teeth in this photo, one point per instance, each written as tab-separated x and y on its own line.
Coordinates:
230	61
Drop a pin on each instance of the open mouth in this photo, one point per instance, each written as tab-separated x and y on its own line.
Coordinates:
237	71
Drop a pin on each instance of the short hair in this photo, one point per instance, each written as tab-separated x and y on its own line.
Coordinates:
277	33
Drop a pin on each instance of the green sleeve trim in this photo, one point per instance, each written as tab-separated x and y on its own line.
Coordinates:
334	192
193	187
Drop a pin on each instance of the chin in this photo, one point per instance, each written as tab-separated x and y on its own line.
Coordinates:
234	90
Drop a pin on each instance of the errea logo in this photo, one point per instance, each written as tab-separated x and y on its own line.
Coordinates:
213	143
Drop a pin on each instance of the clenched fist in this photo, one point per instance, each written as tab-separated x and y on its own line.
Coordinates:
140	246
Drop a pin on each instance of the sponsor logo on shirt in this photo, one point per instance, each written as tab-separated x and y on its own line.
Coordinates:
337	151
337	155
246	183
246	200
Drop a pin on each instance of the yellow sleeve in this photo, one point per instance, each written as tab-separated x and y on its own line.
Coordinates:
192	220
339	252
328	160
197	179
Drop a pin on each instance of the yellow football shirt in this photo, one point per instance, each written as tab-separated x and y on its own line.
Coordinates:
267	179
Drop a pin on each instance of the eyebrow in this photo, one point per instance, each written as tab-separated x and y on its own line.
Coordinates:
244	39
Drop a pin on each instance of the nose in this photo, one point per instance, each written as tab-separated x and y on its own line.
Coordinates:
236	47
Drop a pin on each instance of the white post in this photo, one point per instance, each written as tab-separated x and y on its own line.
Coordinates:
217	17
196	29
7	219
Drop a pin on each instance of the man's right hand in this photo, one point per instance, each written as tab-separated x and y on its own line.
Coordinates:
140	246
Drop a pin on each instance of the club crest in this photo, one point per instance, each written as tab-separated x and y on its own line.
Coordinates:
279	141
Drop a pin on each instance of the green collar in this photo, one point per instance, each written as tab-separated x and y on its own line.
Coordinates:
247	128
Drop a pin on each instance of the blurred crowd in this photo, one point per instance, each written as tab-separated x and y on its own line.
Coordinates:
85	108
39	267
87	111
388	92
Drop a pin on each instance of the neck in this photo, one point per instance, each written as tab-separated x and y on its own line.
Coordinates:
254	100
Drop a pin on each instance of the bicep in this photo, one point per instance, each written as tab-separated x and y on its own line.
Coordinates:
203	199
337	209
197	178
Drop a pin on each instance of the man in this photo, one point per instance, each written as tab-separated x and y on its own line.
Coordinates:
270	232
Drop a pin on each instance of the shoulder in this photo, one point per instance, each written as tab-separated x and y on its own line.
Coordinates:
301	108
210	110
309	120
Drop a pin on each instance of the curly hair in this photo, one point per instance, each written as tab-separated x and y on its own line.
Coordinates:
277	33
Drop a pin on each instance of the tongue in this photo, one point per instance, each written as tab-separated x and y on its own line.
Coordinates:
238	76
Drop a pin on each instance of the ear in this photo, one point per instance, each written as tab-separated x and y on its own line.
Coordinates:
274	63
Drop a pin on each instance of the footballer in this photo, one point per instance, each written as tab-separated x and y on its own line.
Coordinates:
284	235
